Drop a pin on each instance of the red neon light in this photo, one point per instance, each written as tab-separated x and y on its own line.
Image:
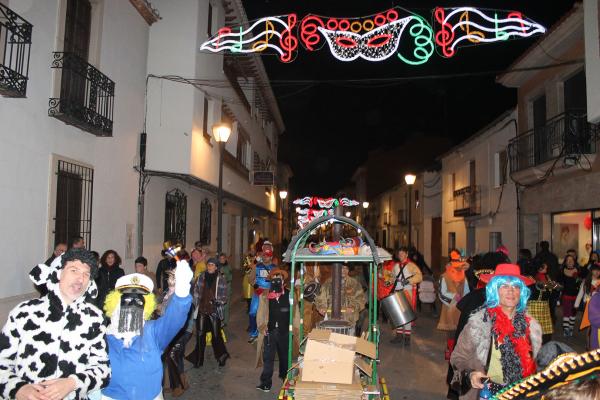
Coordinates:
309	34
392	15
379	40
379	19
519	16
346	25
332	24
445	35
221	32
345	42
288	41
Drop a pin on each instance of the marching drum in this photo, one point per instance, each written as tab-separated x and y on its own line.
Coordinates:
311	290
398	309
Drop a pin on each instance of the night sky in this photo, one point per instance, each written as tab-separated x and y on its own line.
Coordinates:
331	127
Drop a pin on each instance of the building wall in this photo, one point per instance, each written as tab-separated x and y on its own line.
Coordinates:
592	57
431	200
482	149
31	141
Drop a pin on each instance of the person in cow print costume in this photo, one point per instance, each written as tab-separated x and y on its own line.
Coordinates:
54	347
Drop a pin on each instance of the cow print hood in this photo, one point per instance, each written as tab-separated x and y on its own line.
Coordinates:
49	275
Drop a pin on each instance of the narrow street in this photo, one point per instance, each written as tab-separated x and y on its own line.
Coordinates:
414	373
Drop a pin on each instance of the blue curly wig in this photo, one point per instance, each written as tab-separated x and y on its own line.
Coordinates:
491	291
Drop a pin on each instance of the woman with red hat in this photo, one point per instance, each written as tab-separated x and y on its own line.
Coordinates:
499	343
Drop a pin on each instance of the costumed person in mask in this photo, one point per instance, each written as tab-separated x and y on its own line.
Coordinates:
274	331
225	269
54	347
261	286
353	297
210	295
136	343
453	286
248	270
499	344
407	276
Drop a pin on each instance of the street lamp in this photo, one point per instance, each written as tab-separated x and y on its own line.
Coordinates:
282	195
348	214
365	204
410	180
221	133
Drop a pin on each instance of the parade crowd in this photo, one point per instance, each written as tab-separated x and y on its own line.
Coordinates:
96	332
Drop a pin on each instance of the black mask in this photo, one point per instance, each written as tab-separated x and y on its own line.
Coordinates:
131	317
277	285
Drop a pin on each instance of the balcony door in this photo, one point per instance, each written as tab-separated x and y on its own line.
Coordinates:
539	132
576	136
76	47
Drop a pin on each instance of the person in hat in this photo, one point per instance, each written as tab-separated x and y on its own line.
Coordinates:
499	344
273	330
165	264
353	297
54	346
453	286
261	287
210	295
136	343
406	277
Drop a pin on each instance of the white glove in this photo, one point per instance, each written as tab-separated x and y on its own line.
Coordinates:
183	278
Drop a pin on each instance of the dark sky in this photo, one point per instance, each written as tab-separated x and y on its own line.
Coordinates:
331	127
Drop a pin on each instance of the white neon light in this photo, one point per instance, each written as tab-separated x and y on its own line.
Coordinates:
394	28
501	32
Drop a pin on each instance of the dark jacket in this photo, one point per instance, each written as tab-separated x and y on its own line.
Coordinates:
161	276
279	312
551	260
106	281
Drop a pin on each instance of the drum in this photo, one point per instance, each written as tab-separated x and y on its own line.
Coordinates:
311	290
398	309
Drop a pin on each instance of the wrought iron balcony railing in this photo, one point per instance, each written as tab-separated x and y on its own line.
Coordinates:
15	49
565	134
467	201
86	95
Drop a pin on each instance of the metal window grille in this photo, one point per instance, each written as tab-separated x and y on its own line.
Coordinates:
175	216
205	222
15	49
73	214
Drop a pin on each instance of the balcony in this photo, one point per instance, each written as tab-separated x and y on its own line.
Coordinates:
86	95
467	201
15	48
567	136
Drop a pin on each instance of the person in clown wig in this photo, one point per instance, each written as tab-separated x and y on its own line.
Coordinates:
499	344
136	344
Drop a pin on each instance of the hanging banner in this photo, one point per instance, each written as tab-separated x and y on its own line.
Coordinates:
376	37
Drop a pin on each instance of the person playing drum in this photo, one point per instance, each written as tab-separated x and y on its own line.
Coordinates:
407	276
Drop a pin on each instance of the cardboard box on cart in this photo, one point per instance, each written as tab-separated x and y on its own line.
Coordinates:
330	357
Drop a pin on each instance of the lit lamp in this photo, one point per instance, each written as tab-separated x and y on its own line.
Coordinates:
365	204
410	180
221	133
348	214
282	195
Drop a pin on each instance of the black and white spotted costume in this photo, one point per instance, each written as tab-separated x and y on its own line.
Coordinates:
44	339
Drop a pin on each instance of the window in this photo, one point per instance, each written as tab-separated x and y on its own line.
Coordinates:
210	18
495	240
416	199
472	173
453	181
205	222
500	168
73	213
451	241
175	217
574	92
205	119
243	147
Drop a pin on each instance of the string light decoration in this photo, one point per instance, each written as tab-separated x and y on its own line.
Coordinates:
468	25
376	37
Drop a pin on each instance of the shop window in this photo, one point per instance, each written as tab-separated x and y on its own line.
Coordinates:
572	230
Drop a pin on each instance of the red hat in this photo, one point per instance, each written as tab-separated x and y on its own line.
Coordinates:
502	249
507	270
268	253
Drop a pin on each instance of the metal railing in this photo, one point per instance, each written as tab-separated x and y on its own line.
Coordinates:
467	201
15	49
565	134
86	95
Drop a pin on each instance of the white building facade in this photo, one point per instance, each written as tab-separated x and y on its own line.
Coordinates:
69	140
479	210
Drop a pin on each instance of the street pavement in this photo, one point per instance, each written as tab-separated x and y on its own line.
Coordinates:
417	372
